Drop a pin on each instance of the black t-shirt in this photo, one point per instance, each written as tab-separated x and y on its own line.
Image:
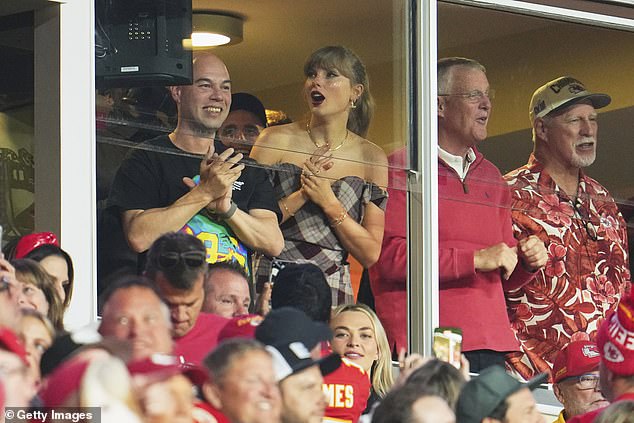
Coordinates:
149	179
152	176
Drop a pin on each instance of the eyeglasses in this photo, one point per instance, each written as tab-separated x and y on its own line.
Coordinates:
585	382
474	96
170	259
233	131
585	218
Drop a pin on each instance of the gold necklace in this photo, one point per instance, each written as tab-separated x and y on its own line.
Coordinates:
310	135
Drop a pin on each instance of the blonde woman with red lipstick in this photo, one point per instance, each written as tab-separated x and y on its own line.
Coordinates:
329	180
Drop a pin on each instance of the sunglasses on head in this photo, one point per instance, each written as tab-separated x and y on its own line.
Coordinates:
170	259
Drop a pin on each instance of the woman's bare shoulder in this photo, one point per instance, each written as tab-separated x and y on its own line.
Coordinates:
280	137
372	152
375	161
280	133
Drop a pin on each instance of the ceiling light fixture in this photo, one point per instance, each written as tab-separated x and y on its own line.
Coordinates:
210	29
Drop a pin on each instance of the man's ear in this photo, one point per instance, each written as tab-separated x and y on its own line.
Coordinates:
541	130
212	395
175	91
557	392
441	106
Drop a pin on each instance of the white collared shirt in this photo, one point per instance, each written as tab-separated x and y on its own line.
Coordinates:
458	163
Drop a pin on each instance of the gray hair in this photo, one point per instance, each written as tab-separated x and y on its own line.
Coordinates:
445	66
223	356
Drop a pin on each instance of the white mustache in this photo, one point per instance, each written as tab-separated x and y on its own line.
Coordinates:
586	140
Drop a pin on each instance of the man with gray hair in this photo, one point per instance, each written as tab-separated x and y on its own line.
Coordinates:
242	383
586	236
479	257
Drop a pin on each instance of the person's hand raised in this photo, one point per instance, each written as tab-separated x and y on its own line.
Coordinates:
315	180
218	172
498	256
532	252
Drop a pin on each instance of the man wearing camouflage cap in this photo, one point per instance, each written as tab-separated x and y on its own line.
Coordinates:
585	235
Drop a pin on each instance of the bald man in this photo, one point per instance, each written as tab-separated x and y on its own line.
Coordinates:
164	185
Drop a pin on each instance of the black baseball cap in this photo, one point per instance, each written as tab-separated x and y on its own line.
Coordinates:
484	393
250	103
290	335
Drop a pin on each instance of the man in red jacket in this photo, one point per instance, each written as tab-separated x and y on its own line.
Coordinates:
479	257
615	340
388	277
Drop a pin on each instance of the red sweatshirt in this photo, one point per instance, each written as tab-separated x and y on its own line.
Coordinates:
388	277
472	215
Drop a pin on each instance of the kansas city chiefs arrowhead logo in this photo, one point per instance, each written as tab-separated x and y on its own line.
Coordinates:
612	354
590	351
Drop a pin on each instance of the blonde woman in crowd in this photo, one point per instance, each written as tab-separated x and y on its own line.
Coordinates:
36	333
359	336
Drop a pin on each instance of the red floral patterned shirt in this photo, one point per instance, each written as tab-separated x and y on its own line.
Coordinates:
587	270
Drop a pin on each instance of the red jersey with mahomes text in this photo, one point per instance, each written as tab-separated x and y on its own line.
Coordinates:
347	390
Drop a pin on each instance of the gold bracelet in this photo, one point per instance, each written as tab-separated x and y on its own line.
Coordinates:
288	212
339	220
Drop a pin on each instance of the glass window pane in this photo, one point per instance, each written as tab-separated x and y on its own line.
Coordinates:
268	63
16	126
521	53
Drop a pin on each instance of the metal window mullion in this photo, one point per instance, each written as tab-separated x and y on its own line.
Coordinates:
423	187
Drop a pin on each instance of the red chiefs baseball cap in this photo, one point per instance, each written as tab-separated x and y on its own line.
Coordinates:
615	338
164	366
240	327
576	359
